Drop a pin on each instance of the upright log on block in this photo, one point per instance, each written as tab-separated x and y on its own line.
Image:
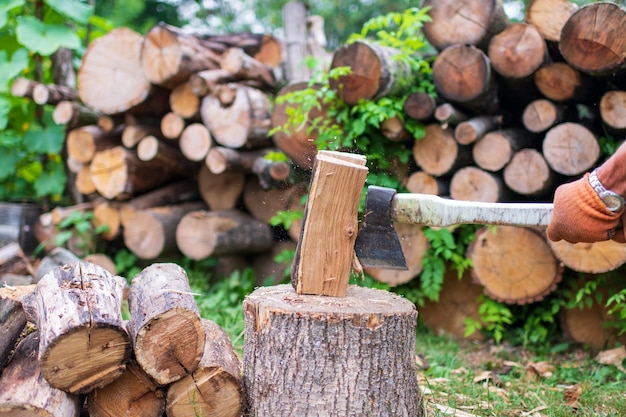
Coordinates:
83	343
24	390
325	251
215	388
309	355
165	325
375	72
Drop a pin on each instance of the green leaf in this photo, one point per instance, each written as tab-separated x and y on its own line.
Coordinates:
51	182
5	108
5	7
10	68
72	9
47	141
8	162
43	38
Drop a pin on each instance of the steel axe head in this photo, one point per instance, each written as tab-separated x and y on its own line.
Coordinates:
377	244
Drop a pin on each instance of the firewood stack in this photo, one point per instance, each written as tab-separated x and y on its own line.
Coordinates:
78	354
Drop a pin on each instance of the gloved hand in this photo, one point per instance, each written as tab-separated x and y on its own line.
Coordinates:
581	216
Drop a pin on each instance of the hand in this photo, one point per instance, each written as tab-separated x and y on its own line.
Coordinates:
581	216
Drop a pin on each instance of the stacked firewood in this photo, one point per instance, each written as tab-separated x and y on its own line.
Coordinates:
77	354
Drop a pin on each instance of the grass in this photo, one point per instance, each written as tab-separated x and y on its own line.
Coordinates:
463	378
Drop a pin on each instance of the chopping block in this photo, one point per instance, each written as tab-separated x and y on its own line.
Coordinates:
322	347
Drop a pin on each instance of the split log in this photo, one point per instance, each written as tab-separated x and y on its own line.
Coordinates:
549	17
172	125
134	393
375	72
74	114
14	261
463	75
414	245
593	258
420	106
518	51
25	392
592	39
571	148
423	183
118	173
244	67
540	115
201	234
165	325
220	191
110	78
195	142
12	323
245	123
528	173
215	387
183	101
151	233
587	325
470	23
299	144
471	130
169	56
560	82
458	301
277	318
613	111
325	269
513	264
53	94
83	343
437	153
152	149
447	115
82	143
474	184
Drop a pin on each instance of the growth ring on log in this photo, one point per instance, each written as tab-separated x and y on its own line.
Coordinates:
594	258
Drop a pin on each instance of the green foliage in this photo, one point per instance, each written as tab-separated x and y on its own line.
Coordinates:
79	228
126	264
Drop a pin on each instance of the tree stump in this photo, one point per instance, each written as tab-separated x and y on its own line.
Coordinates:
215	387
307	355
514	264
165	325
25	392
83	344
132	394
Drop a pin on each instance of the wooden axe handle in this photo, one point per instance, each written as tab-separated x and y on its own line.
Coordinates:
432	210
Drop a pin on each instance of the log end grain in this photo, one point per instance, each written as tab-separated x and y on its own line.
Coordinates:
528	173
161	55
364	80
558	81
593	258
437	151
571	149
549	16
462	73
493	152
109	172
517	51
474	184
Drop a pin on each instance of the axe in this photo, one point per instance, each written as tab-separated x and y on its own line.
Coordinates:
377	244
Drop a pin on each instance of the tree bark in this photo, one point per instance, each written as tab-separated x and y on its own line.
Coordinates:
448	115
513	264
471	130
12	322
592	258
438	154
152	149
470	23
215	387
74	114
321	374
165	325
25	391
110	78
201	234
83	343
571	149
244	67
132	394
592	39
53	94
528	173
375	72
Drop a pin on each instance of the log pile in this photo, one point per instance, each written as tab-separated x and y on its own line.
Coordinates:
75	353
167	134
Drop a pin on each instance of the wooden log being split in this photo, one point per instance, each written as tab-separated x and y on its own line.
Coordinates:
25	391
110	78
592	258
165	325
325	269
472	22
201	234
374	73
514	264
322	374
132	394
215	387
83	343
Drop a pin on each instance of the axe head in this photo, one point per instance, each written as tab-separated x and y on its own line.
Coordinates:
377	244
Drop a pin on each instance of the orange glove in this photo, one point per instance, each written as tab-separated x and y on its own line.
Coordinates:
581	216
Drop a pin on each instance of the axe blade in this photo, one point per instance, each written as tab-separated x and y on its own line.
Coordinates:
377	244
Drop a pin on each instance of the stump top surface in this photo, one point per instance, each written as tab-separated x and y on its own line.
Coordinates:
357	300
